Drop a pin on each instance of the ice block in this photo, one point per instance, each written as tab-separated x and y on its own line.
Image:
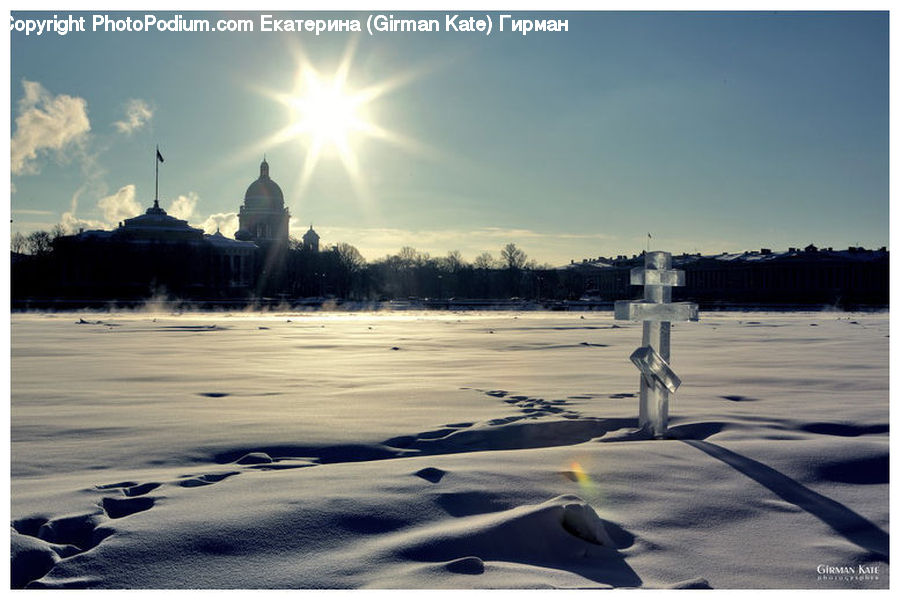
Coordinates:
642	310
654	368
668	277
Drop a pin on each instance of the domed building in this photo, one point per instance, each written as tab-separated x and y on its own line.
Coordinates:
263	217
156	225
154	253
311	240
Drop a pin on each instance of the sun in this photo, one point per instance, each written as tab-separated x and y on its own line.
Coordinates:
328	113
331	115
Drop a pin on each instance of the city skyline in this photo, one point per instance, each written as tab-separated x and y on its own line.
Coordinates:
712	131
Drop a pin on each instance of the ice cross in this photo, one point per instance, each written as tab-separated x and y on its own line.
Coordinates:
657	311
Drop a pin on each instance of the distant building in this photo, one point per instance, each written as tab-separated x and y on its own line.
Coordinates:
311	240
232	265
263	217
156	225
156	253
809	276
153	253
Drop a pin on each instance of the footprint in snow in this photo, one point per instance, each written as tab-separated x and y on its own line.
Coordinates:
432	474
468	565
736	398
116	508
254	458
141	489
208	479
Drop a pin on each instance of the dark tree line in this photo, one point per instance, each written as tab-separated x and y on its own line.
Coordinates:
42	268
36	243
49	268
342	272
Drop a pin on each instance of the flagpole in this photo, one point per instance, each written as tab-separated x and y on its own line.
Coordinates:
156	193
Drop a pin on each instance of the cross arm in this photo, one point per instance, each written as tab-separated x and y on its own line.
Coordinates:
666	277
637	310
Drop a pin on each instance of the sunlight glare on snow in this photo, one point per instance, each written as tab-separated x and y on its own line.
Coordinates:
587	485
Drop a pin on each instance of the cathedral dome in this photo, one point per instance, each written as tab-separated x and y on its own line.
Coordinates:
264	193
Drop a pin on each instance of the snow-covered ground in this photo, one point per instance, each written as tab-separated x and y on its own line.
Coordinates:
433	450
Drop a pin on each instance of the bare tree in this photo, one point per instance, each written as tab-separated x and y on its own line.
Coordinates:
17	242
39	243
350	257
513	257
484	261
453	262
57	232
409	257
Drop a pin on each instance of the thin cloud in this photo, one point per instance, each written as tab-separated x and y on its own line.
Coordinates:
120	206
123	205
28	211
226	223
542	246
137	114
26	226
183	206
72	224
45	122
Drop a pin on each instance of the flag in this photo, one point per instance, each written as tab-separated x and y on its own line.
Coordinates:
159	156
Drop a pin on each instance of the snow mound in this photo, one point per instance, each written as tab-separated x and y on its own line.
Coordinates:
468	565
564	532
37	544
254	458
580	520
33	557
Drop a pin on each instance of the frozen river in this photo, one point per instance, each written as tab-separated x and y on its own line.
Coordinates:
427	449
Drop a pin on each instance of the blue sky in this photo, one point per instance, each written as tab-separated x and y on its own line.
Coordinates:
714	132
